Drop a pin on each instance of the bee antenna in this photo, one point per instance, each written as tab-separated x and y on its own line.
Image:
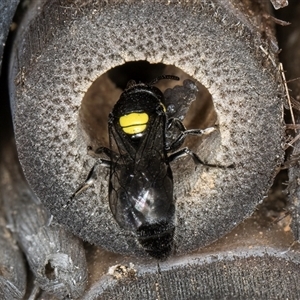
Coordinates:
172	77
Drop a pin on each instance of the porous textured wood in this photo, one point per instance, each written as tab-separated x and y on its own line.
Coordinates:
65	47
7	11
251	275
290	56
56	257
13	273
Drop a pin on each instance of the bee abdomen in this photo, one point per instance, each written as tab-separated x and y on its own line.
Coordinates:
156	239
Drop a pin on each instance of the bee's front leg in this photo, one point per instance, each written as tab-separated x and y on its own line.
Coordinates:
92	176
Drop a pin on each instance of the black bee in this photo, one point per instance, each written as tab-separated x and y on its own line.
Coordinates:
142	146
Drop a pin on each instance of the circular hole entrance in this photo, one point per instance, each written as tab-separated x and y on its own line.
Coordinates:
50	271
105	91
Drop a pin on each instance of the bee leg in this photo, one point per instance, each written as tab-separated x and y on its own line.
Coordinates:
92	176
103	150
186	151
180	139
175	122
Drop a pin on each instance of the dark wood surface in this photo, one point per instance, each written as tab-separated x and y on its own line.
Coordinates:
61	96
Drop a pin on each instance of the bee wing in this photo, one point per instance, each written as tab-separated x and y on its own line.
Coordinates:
126	168
179	99
154	142
118	163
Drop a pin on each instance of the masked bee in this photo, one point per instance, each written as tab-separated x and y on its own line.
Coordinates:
142	146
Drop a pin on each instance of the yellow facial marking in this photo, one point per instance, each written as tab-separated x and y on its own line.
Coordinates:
134	123
134	129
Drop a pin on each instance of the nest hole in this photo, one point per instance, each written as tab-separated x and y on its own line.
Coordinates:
105	91
50	271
